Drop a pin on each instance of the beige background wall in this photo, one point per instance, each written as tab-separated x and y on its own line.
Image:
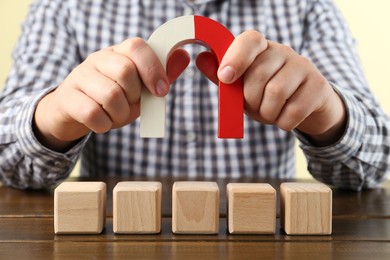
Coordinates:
368	21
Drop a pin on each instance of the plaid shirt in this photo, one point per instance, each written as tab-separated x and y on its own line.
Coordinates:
59	34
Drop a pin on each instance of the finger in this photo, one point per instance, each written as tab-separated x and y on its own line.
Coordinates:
240	55
134	114
120	69
135	111
279	89
147	63
105	92
313	97
301	104
87	112
177	62
266	65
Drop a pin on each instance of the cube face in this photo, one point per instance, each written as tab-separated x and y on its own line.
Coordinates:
251	208
137	207
195	208
80	208
306	208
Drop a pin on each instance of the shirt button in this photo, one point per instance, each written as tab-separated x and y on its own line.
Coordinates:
191	137
188	11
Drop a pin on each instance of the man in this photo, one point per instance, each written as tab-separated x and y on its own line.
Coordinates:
80	66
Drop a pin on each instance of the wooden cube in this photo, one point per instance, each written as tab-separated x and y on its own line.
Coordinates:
195	208
306	208
137	207
80	208
251	208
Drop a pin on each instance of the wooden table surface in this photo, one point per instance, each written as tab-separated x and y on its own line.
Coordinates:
361	230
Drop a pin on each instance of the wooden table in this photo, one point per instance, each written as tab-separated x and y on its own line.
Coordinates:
361	230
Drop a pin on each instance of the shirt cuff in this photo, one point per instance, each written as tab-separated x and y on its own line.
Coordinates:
348	145
31	147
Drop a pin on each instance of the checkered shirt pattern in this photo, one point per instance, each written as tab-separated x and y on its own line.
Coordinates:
59	34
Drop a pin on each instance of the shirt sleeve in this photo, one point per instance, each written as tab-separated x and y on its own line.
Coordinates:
360	158
45	54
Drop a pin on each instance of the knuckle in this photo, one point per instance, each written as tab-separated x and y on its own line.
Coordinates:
295	112
286	126
124	69
267	115
303	61
113	93
286	49
255	36
120	119
96	56
91	114
258	39
274	90
322	82
94	118
134	44
92	56
306	64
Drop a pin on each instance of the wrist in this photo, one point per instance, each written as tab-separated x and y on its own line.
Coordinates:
41	127
334	117
331	136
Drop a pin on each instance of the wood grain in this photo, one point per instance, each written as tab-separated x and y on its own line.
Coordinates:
137	207
251	208
80	207
195	208
306	208
195	250
36	230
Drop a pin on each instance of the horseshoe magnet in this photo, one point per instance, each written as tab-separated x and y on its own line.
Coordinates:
205	31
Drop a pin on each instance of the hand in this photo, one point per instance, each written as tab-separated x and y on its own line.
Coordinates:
280	87
103	92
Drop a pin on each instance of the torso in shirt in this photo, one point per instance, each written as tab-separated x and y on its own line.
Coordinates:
191	145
